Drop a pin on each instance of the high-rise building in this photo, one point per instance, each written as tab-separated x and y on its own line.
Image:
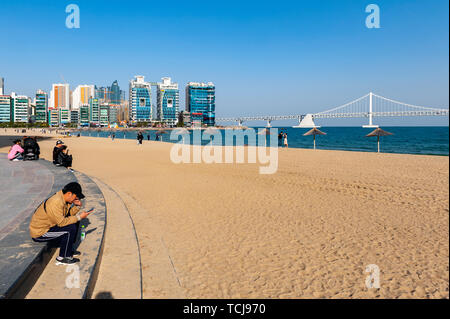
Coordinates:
81	95
32	113
2	86
185	118
53	117
20	105
94	111
101	93
5	108
167	97
75	116
114	114
63	116
60	96
116	95
124	114
201	102
41	106
140	104
84	115
104	114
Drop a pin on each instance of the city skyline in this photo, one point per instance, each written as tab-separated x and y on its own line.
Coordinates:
294	58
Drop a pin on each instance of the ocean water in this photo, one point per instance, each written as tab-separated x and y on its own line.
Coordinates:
406	140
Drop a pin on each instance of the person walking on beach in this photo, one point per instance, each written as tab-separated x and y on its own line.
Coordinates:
285	140
280	139
57	219
140	137
148	137
16	151
113	136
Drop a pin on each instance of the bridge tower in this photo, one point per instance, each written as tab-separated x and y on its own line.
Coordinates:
371	125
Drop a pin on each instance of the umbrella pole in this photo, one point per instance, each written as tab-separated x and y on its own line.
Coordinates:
314	141
378	140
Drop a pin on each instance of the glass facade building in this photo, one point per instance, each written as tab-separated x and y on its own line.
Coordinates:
200	99
75	116
101	93
84	115
41	109
104	114
19	108
116	95
168	97
140	103
5	108
94	111
113	114
63	116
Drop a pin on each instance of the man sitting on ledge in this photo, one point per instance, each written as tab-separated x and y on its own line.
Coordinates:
57	219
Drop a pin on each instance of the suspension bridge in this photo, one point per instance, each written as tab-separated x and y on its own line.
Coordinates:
368	106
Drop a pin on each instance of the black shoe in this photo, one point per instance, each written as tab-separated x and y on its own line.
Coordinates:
66	261
76	253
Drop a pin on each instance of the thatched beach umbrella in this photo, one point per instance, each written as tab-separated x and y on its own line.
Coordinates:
265	131
314	132
378	132
211	130
160	132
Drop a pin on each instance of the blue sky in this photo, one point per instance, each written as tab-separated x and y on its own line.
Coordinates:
265	57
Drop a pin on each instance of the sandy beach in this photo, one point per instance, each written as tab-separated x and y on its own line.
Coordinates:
308	231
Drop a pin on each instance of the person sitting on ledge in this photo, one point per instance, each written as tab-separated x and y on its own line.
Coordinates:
56	150
63	158
15	152
57	219
61	155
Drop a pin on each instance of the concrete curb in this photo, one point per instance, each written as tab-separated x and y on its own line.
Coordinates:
121	261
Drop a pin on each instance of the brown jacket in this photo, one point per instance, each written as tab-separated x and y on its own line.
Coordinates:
54	215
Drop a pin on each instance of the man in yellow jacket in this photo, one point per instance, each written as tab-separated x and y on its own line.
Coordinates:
57	219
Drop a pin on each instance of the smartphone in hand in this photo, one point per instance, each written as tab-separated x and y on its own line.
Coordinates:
90	210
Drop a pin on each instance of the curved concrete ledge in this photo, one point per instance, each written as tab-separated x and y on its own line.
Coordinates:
25	270
21	259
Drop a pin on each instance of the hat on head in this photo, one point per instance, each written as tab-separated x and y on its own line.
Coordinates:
74	188
59	142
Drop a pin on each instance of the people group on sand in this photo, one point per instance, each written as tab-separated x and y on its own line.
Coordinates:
25	149
57	220
282	139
